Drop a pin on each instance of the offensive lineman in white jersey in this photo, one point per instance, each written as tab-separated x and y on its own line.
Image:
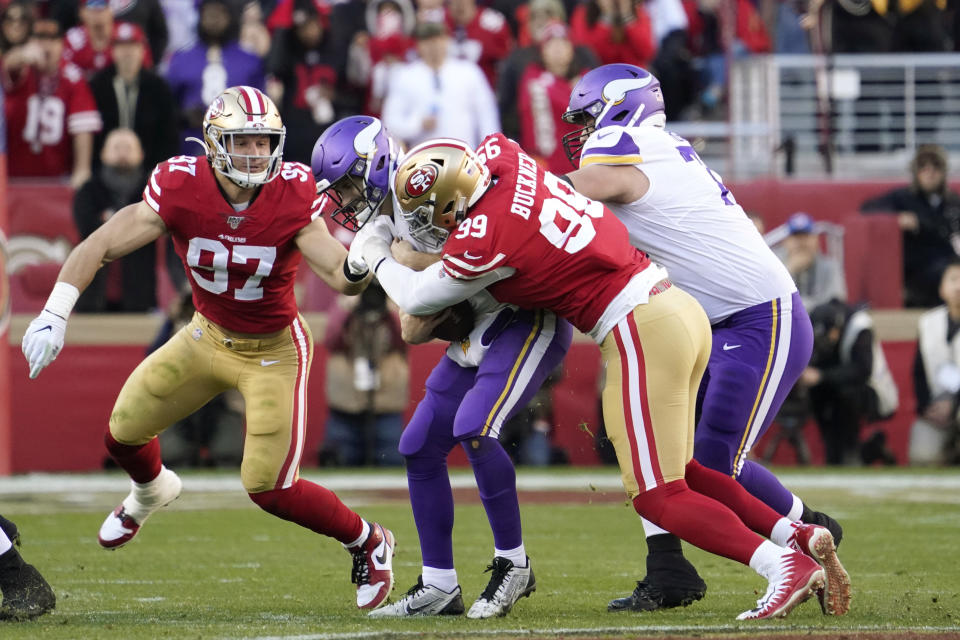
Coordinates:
678	210
481	382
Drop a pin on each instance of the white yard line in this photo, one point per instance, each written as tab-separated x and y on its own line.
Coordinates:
659	629
603	479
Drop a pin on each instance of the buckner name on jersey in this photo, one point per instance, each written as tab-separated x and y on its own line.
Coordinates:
241	264
569	254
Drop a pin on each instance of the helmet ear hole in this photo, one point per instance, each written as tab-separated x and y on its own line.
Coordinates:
621	116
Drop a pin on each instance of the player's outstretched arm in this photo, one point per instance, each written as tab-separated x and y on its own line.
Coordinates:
129	229
328	259
610	183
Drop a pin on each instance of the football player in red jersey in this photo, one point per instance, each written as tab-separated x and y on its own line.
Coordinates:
240	219
531	240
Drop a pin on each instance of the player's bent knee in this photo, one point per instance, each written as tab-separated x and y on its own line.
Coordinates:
650	504
257	476
715	454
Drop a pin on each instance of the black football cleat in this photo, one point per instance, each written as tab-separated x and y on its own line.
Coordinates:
26	594
671	581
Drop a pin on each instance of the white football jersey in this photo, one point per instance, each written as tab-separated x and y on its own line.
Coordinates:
486	309
689	222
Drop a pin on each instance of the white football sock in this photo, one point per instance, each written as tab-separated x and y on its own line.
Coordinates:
796	510
782	531
5	544
650	529
363	536
443	579
517	556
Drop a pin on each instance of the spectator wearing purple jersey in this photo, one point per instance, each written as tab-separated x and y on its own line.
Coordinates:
200	73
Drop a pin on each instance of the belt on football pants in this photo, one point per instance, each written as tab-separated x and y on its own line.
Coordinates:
660	287
241	342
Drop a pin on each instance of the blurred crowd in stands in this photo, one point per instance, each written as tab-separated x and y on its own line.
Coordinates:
99	91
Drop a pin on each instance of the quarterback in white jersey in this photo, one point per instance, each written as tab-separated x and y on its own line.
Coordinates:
483	380
679	211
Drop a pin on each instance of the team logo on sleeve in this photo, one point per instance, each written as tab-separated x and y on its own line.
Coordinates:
421	180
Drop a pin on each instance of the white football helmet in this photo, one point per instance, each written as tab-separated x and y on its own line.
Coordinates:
242	111
435	184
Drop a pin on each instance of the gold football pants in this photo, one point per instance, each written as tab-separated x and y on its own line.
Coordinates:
654	360
203	360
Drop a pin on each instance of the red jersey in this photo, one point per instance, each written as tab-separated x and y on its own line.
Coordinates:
570	253
78	50
485	40
637	45
42	113
240	264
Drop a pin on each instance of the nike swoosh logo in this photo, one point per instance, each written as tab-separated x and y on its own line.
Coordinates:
267	363
382	558
466	254
48	327
728	347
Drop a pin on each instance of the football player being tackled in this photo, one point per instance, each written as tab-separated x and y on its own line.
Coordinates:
529	239
487	374
240	219
678	210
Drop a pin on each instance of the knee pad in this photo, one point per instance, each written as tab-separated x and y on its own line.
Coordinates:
430	430
715	453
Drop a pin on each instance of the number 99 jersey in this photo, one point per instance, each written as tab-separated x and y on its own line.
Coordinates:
241	264
570	254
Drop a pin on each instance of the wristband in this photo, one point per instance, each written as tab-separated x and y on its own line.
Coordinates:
353	277
61	300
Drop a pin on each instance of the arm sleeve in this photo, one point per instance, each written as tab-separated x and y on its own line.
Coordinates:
425	292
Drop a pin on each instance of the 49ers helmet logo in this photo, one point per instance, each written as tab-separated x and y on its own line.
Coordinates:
421	180
216	109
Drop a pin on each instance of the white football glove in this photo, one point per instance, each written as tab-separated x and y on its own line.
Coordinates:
376	246
355	262
43	341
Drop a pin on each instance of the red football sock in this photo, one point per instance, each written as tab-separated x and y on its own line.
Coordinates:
141	461
754	513
699	520
314	507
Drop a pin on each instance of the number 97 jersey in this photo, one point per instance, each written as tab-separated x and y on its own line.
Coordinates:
569	254
241	264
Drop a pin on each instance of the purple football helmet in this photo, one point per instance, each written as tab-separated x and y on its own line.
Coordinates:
353	162
614	94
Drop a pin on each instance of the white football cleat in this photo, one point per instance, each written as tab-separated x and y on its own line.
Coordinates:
373	567
125	521
423	600
793	578
508	584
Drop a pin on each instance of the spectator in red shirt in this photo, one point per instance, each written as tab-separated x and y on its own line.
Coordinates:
88	44
481	35
544	96
51	114
616	30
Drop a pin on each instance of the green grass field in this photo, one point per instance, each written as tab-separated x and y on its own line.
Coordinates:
213	566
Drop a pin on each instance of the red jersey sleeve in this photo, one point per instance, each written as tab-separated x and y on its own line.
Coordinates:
82	113
169	178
